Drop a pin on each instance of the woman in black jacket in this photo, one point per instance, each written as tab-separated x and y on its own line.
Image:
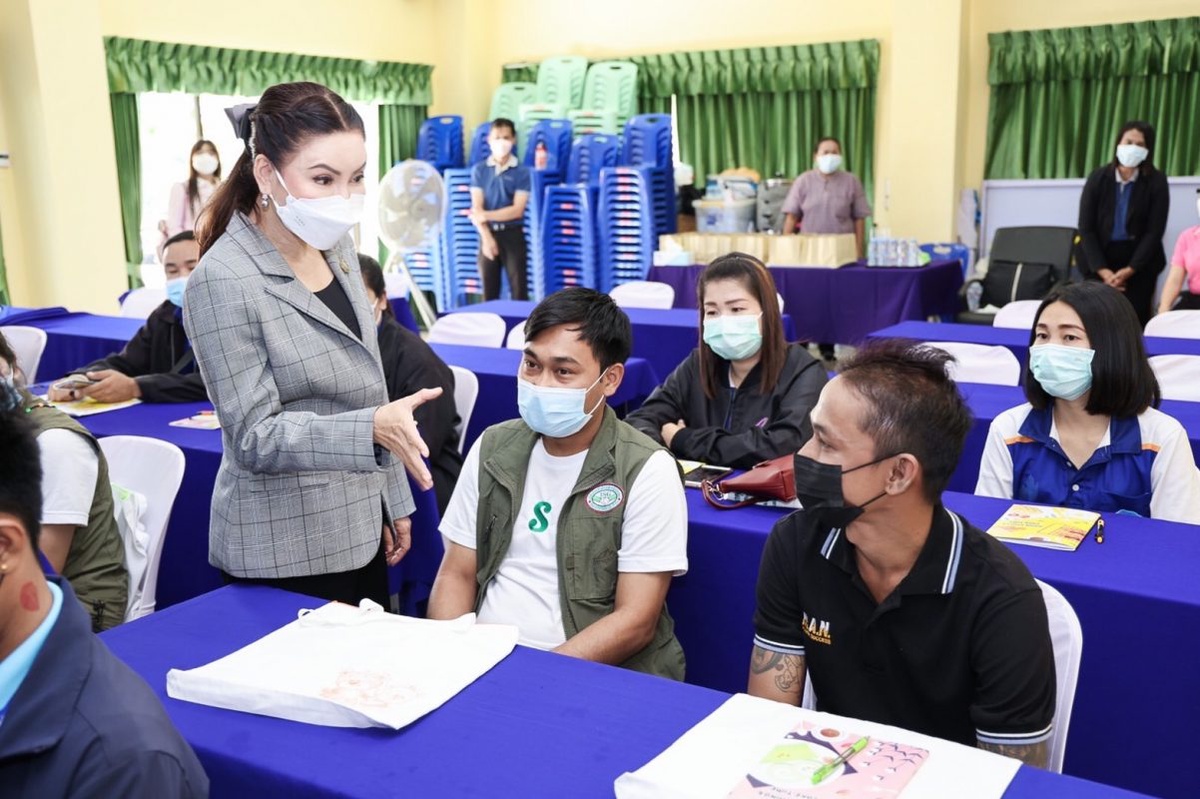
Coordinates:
409	365
743	396
1122	218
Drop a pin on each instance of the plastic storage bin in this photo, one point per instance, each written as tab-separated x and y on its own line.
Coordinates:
720	216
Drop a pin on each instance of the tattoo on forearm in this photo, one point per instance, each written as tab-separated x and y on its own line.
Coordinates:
788	669
1030	754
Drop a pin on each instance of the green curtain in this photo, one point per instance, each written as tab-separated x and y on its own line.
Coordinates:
129	179
765	107
135	65
1059	96
398	128
522	72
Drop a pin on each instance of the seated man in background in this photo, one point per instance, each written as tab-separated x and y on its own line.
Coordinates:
74	720
157	364
79	534
902	612
567	522
409	365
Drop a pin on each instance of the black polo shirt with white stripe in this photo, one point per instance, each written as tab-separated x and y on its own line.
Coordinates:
959	650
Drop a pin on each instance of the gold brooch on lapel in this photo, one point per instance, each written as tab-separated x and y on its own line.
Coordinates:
342	263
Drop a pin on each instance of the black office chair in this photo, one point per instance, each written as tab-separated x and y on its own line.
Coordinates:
1024	263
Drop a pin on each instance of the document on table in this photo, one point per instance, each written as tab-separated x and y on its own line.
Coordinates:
750	747
342	666
87	407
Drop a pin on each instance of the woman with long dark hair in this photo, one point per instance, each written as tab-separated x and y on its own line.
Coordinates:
1091	435
1122	218
314	454
743	396
189	197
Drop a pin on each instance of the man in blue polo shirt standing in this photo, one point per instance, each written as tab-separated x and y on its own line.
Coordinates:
499	191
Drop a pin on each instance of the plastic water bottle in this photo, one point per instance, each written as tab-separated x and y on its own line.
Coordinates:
541	156
873	251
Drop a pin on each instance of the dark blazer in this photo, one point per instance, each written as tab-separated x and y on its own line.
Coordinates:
1146	221
155	356
741	427
409	365
83	724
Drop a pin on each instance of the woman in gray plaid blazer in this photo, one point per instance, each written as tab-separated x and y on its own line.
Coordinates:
314	455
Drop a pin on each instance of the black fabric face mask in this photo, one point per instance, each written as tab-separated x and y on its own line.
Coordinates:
819	489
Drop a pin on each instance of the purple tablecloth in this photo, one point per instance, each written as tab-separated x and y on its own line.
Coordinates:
535	725
1136	595
844	305
497	373
663	337
988	401
404	314
184	571
76	339
1015	340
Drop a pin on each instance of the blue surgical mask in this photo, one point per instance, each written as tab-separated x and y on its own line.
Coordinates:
734	338
1064	372
829	163
175	287
1131	155
554	412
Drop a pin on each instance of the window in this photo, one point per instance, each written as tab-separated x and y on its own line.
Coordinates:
170	123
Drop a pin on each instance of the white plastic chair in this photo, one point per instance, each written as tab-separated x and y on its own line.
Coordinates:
396	285
516	337
28	343
1178	376
140	303
481	329
466	391
980	363
643	294
1175	324
1018	314
153	276
1066	636
154	469
779	297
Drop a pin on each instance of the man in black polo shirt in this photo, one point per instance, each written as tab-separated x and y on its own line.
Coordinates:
499	191
900	611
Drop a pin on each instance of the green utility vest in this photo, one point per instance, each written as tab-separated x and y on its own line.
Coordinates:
96	560
589	527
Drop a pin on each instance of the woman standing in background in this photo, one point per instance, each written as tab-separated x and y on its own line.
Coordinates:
189	197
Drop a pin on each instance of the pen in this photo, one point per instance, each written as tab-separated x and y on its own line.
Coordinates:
827	769
1099	531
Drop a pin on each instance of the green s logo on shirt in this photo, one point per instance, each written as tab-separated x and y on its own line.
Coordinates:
539	522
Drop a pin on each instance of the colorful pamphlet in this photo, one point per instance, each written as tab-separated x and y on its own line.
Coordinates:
1040	526
822	761
205	420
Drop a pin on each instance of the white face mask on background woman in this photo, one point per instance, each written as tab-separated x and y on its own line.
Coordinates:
1131	155
205	164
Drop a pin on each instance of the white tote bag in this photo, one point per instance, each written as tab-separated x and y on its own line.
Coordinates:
342	666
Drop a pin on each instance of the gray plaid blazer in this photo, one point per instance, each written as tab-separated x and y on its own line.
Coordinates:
300	485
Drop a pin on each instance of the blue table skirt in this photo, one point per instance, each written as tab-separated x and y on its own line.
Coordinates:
536	725
76	339
1136	595
1015	340
663	337
496	369
846	304
988	401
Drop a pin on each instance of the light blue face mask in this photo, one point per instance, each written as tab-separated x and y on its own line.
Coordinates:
555	412
1065	372
734	338
175	287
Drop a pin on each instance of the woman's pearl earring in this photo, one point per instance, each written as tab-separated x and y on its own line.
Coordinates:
264	201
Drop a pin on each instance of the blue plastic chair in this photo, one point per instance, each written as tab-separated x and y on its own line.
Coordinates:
625	225
460	239
589	154
647	143
480	149
556	135
440	142
569	237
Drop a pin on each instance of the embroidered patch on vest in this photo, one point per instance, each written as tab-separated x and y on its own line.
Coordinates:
604	498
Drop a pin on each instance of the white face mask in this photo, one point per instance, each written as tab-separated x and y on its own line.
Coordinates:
1131	155
829	163
500	148
205	164
319	222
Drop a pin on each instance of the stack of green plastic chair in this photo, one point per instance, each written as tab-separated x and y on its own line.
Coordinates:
507	99
612	86
530	114
587	121
560	80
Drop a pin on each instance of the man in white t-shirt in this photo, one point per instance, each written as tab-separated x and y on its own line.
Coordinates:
569	523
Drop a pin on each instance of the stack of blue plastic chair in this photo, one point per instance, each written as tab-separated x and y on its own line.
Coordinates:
647	143
440	142
427	265
556	135
535	260
568	237
590	153
480	149
461	239
625	224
